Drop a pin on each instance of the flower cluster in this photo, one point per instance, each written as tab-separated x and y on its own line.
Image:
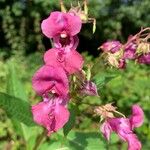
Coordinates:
122	126
51	80
136	48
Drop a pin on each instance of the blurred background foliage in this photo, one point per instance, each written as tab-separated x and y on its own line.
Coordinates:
22	44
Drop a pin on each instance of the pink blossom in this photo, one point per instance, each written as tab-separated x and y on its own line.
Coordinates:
130	51
111	46
71	62
144	59
124	126
50	114
61	24
50	79
89	88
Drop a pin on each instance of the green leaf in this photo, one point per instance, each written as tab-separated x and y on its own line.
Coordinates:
86	140
15	88
16	108
14	85
73	111
76	141
102	79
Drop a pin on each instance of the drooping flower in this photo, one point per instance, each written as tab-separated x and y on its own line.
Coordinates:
114	53
61	24
111	46
71	61
50	114
124	126
51	79
130	51
144	59
89	88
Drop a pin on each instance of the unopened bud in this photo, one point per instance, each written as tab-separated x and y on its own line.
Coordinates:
89	88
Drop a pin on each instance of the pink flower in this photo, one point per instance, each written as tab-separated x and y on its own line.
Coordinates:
50	114
61	24
130	51
124	126
71	61
50	79
89	88
144	59
111	46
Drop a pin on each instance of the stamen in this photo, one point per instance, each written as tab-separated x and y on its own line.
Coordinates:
63	35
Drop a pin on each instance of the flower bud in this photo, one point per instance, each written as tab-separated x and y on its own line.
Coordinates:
89	88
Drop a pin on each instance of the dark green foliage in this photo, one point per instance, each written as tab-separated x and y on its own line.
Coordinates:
16	108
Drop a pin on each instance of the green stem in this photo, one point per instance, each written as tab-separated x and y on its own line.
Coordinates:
39	139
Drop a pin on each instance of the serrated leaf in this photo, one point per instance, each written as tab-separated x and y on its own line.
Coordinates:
73	111
16	108
15	88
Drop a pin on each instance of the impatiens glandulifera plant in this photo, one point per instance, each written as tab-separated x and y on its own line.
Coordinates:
63	77
64	81
136	48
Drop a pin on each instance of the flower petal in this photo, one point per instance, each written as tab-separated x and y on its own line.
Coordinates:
121	126
74	24
40	113
137	116
50	79
71	61
59	22
133	142
130	51
61	116
51	115
106	130
54	24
